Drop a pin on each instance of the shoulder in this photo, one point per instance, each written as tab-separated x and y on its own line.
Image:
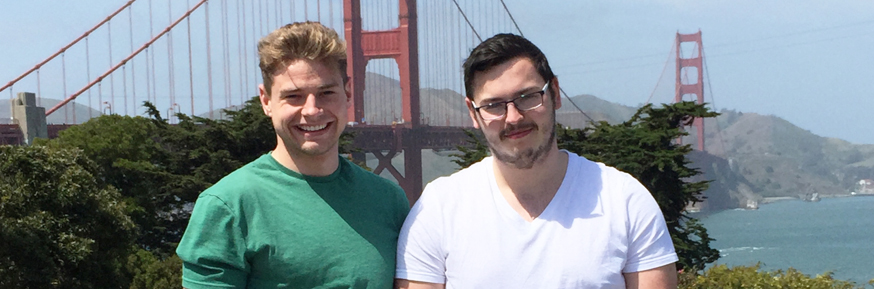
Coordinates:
362	178
582	165
461	184
618	193
610	178
238	183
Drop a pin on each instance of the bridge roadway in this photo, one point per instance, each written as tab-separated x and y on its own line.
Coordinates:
10	134
383	137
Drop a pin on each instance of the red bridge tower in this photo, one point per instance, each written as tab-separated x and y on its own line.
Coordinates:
410	136
697	88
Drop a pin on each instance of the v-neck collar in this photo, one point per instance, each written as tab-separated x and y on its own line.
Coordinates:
508	213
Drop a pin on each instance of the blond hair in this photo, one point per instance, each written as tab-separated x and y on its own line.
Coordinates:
300	40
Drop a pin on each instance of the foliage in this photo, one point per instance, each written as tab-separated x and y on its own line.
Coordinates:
645	147
721	276
60	225
474	152
131	158
153	273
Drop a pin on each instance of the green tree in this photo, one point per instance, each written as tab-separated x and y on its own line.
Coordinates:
60	225
150	272
645	147
721	276
475	150
131	157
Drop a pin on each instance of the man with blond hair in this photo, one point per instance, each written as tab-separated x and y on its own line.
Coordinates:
300	216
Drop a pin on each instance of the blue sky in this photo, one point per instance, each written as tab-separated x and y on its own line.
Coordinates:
809	62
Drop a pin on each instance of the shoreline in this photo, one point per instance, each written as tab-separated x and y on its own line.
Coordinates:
768	200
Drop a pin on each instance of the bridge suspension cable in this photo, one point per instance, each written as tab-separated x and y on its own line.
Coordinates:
713	103
665	69
122	62
560	89
467	20
64	49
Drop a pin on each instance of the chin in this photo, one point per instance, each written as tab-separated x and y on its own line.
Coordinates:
315	149
308	148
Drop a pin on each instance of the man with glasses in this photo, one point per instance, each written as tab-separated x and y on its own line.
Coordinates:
531	215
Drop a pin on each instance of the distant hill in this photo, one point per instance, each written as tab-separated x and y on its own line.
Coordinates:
782	159
382	100
727	188
439	107
596	108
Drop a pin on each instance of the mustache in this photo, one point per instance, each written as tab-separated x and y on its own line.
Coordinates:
522	126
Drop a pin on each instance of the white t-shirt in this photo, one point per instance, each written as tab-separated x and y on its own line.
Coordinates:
601	223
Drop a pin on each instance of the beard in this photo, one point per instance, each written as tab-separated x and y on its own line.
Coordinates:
526	158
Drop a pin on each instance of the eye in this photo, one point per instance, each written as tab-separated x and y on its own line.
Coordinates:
530	95
492	105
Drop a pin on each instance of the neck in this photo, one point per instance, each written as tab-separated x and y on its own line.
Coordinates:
308	165
549	169
529	191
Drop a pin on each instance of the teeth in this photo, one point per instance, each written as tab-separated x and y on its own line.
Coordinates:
312	127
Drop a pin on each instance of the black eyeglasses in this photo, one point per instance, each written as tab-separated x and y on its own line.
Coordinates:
525	102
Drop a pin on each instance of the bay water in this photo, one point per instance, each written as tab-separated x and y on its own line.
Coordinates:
835	234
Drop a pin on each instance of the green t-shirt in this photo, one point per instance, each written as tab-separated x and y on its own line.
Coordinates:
266	226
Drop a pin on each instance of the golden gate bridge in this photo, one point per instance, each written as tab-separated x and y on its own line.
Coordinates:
198	57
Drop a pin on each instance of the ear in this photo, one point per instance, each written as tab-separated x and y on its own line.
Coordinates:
471	112
265	100
348	88
557	96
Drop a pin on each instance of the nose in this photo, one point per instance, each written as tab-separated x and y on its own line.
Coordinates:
513	114
310	106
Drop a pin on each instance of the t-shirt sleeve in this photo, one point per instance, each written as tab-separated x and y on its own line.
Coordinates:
213	247
649	245
420	254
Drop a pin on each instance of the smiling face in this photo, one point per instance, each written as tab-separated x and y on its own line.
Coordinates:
307	103
520	139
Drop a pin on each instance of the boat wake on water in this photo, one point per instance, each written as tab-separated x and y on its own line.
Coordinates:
725	252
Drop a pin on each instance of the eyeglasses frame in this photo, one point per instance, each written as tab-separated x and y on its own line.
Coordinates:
506	103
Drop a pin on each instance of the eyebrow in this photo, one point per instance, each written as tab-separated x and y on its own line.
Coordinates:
516	94
321	87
